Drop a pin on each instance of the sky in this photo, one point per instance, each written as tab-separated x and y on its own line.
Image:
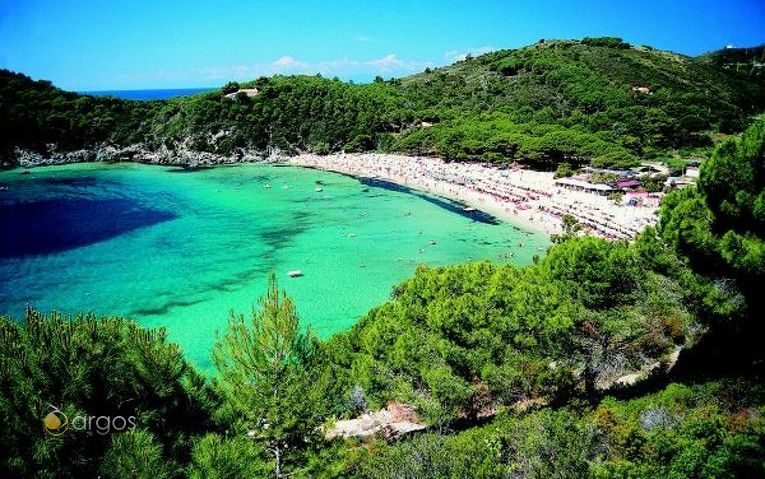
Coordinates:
137	44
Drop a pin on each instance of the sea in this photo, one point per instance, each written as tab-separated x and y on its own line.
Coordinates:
181	248
146	95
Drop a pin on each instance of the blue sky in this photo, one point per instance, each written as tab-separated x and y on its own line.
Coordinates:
135	44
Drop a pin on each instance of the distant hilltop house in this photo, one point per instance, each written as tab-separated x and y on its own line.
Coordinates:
249	92
644	90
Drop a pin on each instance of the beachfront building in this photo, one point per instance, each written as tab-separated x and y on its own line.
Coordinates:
619	173
581	185
627	184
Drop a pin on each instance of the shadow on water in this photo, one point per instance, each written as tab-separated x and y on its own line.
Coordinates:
53	226
188	169
165	308
201	294
77	182
449	205
282	236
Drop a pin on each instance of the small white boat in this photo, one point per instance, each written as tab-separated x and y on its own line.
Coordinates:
319	189
295	273
351	235
432	242
468	209
268	187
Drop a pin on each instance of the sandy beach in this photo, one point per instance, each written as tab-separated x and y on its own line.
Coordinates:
527	198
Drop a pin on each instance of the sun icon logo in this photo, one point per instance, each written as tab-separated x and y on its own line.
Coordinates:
56	423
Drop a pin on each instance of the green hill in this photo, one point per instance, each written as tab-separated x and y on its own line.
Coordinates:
599	99
596	100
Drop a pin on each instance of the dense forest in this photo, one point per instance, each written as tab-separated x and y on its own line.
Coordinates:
598	100
517	372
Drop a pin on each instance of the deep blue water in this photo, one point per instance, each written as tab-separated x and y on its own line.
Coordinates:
162	94
52	226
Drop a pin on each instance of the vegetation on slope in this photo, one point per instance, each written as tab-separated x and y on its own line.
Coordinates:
638	100
706	430
597	100
95	367
35	115
465	340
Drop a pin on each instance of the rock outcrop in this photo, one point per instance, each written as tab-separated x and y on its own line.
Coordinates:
394	421
179	155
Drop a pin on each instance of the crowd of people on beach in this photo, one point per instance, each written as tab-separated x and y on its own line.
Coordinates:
509	192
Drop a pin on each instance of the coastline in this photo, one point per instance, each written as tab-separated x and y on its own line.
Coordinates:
450	191
526	198
529	199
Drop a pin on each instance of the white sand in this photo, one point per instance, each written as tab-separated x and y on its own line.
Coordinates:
527	198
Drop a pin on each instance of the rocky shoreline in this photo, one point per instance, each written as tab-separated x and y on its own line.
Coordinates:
137	153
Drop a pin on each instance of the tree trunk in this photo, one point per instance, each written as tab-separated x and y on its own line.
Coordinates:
278	458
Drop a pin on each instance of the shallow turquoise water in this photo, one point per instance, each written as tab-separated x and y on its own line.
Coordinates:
178	249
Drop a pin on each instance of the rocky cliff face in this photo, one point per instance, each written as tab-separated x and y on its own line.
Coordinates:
138	153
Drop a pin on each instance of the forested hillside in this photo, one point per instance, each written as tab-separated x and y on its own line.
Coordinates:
596	100
600	360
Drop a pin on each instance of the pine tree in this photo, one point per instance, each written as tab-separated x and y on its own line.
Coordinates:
269	378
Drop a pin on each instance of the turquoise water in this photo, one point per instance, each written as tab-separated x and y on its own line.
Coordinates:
178	249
